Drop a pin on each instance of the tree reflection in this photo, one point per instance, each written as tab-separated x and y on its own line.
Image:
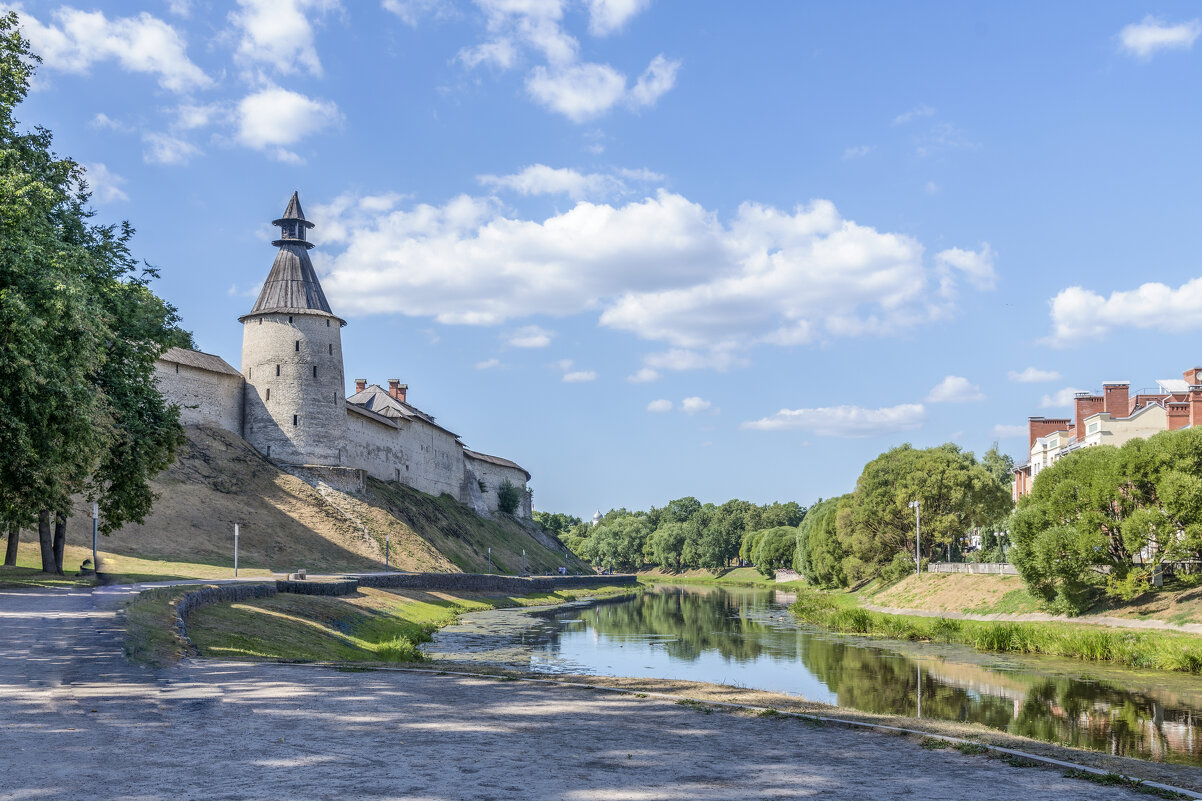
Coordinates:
688	623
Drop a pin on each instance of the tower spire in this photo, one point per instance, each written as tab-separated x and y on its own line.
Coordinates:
293	225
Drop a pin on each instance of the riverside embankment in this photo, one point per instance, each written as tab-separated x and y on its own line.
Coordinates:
288	731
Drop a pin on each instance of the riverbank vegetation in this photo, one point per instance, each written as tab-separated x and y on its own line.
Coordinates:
371	625
1123	647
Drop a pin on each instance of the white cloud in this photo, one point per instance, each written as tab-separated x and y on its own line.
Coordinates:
488	364
656	81
976	265
643	376
844	421
942	137
565	84
273	118
1059	400
1144	39
660	405
531	336
608	16
579	92
539	179
105	184
143	43
1080	314
859	151
931	188
955	389
190	116
663	268
279	33
180	8
579	376
915	113
412	11
694	405
1006	431
1033	375
105	122
163	148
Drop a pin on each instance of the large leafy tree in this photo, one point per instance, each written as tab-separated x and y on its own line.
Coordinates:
877	526
819	556
79	333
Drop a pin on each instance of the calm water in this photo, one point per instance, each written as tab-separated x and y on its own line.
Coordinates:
747	638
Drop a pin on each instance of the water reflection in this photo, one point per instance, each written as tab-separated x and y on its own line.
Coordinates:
747	638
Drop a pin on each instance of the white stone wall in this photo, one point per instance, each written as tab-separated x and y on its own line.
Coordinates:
1102	429
204	397
293	414
489	477
418	454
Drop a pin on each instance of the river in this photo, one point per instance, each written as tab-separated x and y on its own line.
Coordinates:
748	638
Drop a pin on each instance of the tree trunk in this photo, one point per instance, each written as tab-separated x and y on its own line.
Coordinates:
60	540
45	541
10	553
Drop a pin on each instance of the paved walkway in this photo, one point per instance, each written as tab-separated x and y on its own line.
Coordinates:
77	721
1044	617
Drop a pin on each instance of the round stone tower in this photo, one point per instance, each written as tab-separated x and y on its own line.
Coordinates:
294	411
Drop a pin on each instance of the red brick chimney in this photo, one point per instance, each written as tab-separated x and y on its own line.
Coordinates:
1086	404
1193	376
1177	414
1116	398
1195	405
1042	426
360	384
397	390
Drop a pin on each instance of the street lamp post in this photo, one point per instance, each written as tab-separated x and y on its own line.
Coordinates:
917	507
95	527
235	550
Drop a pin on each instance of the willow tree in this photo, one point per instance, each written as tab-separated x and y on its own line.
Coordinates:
79	333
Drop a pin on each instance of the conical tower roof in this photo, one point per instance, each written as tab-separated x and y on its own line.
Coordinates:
292	284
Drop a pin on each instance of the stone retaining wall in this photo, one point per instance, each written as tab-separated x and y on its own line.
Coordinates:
479	582
995	568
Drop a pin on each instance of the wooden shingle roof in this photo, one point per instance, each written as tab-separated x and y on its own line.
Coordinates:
201	361
292	286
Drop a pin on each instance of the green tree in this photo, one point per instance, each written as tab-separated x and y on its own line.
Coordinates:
665	546
876	524
774	549
618	543
819	556
79	334
508	497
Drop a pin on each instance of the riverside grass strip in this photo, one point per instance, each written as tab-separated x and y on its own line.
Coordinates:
1124	647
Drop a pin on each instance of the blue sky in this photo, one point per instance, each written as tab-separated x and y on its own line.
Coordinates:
649	248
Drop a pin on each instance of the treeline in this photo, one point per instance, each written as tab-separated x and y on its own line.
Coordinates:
1108	519
685	534
871	531
80	331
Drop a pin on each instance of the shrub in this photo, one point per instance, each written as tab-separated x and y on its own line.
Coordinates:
508	497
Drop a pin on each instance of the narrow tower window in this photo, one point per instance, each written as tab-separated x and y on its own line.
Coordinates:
260	321
331	348
294	419
269	393
298	345
327	323
315	371
249	370
289	318
277	369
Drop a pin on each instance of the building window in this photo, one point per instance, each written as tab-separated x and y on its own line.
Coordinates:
269	393
290	318
331	348
177	368
260	321
249	370
268	451
315	371
277	369
297	348
294	419
327	323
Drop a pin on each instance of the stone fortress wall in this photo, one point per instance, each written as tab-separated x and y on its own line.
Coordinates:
289	399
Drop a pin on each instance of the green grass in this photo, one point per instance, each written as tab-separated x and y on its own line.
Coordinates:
150	637
736	577
1015	602
1125	647
370	626
1118	780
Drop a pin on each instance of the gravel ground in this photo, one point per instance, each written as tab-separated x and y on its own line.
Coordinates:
77	721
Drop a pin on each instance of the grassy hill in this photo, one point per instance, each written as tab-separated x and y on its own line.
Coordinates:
286	524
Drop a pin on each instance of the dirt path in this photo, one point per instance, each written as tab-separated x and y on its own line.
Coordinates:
1043	617
77	721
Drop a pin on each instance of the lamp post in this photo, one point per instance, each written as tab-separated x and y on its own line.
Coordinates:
95	527
917	507
387	535
235	550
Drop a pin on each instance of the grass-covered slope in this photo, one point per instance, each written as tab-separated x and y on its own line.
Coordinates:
286	524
